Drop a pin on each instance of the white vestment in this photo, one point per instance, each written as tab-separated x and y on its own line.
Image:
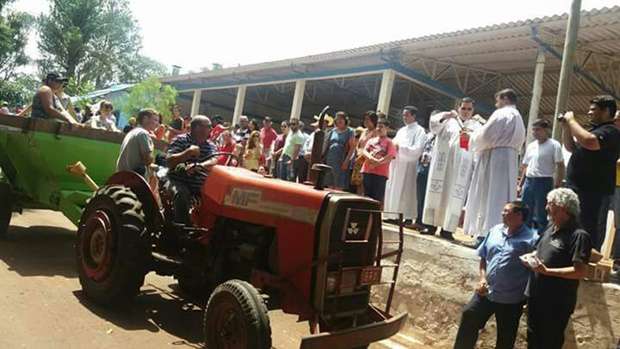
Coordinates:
496	146
400	189
450	173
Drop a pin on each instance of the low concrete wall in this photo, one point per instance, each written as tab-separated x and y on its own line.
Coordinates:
437	278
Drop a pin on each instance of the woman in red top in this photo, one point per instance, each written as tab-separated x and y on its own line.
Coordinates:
379	151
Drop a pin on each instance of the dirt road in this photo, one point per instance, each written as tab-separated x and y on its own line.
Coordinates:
42	306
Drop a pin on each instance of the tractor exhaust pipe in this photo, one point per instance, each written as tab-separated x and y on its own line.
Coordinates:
317	169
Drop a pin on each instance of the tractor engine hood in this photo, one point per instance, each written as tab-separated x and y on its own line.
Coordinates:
232	187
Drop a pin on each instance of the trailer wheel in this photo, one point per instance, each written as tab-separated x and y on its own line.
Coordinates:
6	208
112	258
236	317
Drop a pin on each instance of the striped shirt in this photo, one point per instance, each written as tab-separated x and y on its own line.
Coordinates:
178	145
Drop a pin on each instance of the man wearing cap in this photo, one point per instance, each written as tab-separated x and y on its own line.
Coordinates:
45	103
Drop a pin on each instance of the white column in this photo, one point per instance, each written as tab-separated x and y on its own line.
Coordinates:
298	99
239	102
385	93
536	93
196	103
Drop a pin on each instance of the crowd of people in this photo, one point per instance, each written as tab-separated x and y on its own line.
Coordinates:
463	171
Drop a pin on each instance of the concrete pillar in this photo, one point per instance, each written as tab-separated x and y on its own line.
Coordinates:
196	103
536	93
298	99
239	102
385	93
566	72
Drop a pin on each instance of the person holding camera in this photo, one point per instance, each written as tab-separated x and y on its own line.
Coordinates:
591	171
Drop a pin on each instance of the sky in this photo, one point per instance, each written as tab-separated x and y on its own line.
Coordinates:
197	33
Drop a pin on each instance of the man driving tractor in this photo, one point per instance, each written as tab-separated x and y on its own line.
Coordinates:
184	183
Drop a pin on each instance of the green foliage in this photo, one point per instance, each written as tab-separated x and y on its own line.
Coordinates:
18	91
94	41
150	93
14	28
74	88
15	89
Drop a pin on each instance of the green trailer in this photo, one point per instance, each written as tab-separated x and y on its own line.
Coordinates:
34	156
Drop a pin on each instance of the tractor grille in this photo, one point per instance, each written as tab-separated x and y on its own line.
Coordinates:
352	245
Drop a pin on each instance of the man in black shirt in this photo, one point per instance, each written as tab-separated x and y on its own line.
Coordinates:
591	171
559	262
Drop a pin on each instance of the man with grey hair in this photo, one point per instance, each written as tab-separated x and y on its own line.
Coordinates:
559	262
187	155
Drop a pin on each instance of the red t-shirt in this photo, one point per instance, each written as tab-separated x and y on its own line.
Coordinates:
267	137
216	132
226	148
379	147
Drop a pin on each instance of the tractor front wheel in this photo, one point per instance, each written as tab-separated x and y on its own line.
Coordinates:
112	258
6	208
236	318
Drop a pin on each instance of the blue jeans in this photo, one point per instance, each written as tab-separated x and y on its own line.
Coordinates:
285	171
535	192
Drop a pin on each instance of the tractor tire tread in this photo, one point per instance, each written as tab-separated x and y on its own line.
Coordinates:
252	305
130	267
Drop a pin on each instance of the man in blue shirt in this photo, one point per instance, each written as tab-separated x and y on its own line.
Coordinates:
503	279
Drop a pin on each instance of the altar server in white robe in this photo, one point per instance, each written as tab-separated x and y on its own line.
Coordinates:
451	168
400	190
496	146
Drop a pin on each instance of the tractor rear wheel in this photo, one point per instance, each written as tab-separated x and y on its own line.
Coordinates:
6	208
112	257
236	318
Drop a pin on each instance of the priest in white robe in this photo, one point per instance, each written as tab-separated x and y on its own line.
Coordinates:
400	189
496	146
452	164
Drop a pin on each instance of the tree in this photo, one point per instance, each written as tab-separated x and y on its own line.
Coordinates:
150	93
14	28
139	68
15	88
18	90
94	41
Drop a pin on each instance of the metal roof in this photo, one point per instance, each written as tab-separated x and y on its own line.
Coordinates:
474	61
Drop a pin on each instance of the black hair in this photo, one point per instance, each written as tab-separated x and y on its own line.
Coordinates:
542	123
411	109
605	102
519	207
255	123
343	115
507	93
372	116
468	100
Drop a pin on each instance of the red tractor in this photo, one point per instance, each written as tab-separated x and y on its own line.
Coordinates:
255	243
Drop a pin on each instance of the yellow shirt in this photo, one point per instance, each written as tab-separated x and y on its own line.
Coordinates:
618	174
